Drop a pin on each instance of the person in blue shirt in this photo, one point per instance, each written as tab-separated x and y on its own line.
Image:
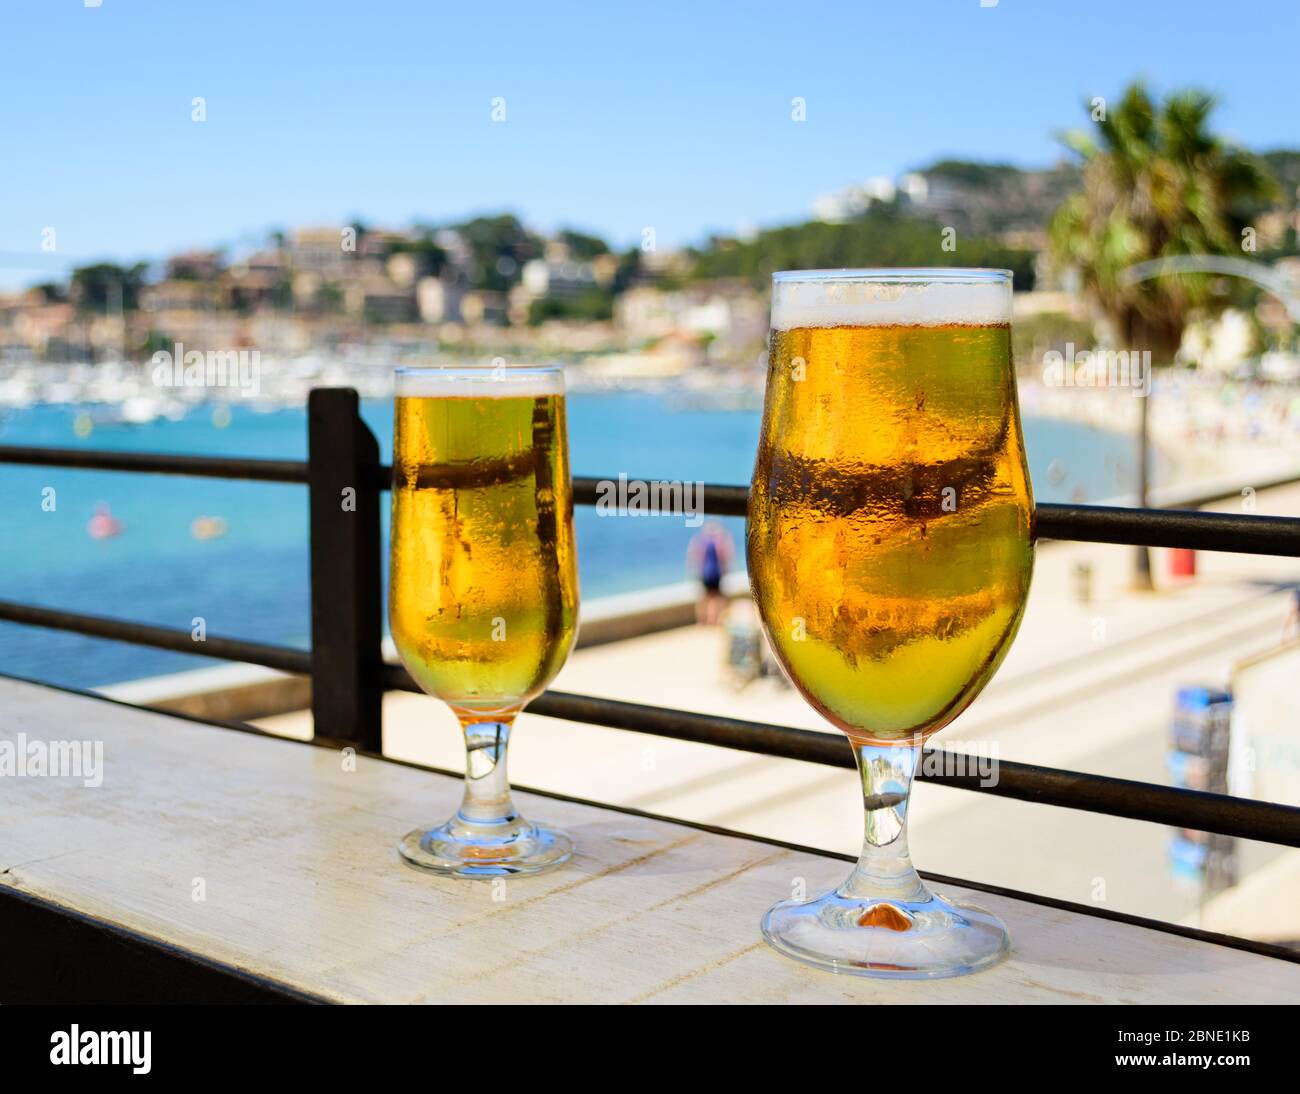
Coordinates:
709	556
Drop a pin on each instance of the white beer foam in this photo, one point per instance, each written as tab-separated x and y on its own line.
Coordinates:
485	383
848	302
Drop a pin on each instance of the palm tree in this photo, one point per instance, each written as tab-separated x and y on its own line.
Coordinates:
1156	184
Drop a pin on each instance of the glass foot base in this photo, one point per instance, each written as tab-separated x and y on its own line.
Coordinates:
457	850
900	939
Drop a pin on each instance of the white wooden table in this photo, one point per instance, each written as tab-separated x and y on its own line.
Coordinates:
277	858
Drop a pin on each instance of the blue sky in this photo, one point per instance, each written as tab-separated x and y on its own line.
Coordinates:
619	116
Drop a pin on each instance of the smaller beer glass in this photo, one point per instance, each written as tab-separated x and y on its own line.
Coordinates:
483	586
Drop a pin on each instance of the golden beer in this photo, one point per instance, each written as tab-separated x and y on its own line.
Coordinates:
890	519
890	550
483	593
483	587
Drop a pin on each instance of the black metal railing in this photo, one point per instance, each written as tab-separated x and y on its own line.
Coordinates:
345	479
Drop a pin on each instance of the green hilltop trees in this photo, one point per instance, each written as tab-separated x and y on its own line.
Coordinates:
883	235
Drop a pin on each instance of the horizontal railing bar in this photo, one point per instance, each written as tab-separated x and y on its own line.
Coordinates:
1242	817
1245	818
284	658
1236	533
157	463
1189	528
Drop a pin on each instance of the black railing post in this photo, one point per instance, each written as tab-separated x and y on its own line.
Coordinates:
343	466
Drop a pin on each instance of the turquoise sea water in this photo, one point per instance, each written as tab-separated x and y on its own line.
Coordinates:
253	582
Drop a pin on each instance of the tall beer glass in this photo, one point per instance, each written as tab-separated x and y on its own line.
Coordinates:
889	540
483	592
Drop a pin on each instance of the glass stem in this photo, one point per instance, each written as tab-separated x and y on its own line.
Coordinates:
487	783
884	870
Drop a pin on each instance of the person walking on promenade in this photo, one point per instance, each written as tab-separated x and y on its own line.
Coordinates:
709	556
